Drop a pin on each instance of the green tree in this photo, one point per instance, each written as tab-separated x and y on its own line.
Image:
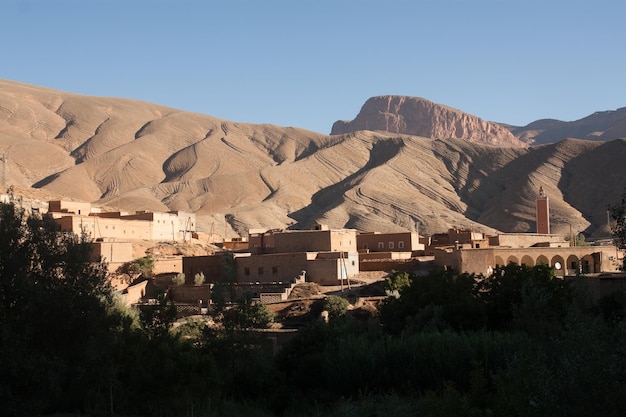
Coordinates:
397	281
525	298
57	317
436	301
618	226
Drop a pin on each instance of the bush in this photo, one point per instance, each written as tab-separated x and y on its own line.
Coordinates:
199	278
179	279
336	306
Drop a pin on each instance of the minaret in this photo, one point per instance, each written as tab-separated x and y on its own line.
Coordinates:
543	213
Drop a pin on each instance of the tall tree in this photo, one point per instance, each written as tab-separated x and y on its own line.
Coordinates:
618	226
56	317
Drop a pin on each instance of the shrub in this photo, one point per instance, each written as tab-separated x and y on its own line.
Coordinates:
179	279
199	278
336	306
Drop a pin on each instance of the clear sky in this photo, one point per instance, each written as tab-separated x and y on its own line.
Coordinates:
309	63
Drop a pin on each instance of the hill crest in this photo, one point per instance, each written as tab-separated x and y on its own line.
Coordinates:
135	155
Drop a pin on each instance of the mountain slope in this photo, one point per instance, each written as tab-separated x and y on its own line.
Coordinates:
134	155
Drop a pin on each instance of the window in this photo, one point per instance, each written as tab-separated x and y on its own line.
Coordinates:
401	245
246	271
390	245
352	263
260	270
381	245
365	246
274	270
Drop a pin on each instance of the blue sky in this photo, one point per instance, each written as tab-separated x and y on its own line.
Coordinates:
309	63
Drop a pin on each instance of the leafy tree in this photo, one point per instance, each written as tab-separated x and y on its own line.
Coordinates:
436	301
57	317
618	226
396	281
138	269
525	298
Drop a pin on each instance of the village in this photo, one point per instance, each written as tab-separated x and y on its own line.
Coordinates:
269	264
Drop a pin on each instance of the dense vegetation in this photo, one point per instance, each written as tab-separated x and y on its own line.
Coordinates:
517	343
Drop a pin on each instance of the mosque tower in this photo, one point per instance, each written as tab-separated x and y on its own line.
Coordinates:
543	213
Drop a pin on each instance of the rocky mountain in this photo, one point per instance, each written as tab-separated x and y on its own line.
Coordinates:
420	117
600	126
133	155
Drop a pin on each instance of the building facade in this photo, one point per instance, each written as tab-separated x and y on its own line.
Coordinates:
389	242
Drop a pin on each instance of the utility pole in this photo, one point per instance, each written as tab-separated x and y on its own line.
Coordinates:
3	158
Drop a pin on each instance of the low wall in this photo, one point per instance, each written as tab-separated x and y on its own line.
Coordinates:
190	293
167	265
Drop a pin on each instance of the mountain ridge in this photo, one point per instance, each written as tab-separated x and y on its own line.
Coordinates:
135	155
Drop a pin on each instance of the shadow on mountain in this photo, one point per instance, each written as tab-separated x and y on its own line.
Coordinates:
331	197
42	183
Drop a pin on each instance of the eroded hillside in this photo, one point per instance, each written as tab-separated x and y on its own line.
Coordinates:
139	156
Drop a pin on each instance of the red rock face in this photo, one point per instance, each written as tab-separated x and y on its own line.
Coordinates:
420	117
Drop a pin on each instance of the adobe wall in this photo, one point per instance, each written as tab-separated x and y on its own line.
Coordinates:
261	242
102	227
396	242
76	207
328	271
133	294
271	267
525	240
168	265
212	266
112	252
190	293
315	241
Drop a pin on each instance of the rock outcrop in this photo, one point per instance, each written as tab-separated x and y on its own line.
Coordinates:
420	117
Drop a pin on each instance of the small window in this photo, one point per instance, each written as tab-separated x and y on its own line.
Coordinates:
260	270
390	245
478	246
274	270
381	245
353	263
246	271
365	246
401	245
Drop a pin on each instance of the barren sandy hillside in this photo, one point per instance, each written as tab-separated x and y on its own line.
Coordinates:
135	155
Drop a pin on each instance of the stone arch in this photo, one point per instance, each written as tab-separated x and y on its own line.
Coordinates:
527	261
499	261
572	264
512	259
542	260
558	263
